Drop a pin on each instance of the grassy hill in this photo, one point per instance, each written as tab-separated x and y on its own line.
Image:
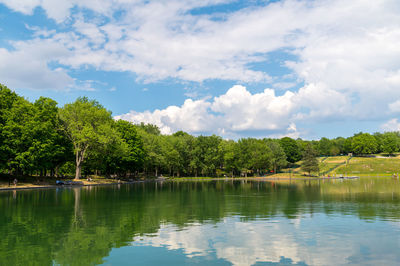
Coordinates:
355	166
367	166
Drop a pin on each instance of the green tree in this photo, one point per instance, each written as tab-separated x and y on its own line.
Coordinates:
278	158
89	126
291	149
310	161
364	143
231	156
50	147
324	146
254	155
7	99
154	158
150	129
347	145
134	158
17	137
207	155
390	143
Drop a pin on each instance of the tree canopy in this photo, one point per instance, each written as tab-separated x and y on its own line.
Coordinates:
89	127
82	138
310	161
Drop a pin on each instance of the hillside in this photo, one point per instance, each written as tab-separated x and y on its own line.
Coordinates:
359	166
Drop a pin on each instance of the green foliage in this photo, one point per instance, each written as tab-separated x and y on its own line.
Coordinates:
41	139
134	158
231	156
207	156
310	161
291	149
278	156
364	143
324	146
89	126
390	143
150	129
31	137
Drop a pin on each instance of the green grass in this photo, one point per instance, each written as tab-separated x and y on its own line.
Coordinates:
329	164
370	166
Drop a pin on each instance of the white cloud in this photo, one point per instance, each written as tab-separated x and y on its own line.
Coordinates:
230	114
346	55
395	106
262	111
192	116
391	125
28	66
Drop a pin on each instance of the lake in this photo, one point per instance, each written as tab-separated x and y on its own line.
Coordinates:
224	222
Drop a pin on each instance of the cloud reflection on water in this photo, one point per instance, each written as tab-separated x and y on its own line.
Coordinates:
317	240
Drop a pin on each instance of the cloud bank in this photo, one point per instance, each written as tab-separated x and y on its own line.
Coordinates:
342	57
238	111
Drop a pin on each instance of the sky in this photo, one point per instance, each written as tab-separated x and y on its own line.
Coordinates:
252	68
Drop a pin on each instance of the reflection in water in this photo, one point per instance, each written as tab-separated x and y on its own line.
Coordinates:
317	240
233	222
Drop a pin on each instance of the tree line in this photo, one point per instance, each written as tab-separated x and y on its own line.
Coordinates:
82	138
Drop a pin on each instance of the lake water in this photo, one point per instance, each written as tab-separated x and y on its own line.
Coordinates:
204	223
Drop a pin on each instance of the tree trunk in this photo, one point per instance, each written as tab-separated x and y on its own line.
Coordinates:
57	171
78	171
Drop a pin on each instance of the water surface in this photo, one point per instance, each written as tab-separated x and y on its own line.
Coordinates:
205	223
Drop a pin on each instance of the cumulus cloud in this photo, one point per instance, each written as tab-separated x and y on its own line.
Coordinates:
192	116
28	66
343	56
230	114
391	125
238	111
158	40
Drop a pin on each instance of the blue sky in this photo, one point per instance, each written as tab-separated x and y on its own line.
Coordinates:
234	68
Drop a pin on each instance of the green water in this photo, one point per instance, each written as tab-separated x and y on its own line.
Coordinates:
204	223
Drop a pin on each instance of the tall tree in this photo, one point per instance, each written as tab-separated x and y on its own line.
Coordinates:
7	99
278	158
324	146
154	158
291	149
231	154
207	155
88	125
134	158
310	161
364	143
50	147
17	137
390	143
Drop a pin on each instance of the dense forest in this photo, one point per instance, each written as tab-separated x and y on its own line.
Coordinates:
82	138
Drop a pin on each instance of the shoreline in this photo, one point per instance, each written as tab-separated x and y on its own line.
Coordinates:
271	178
85	184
